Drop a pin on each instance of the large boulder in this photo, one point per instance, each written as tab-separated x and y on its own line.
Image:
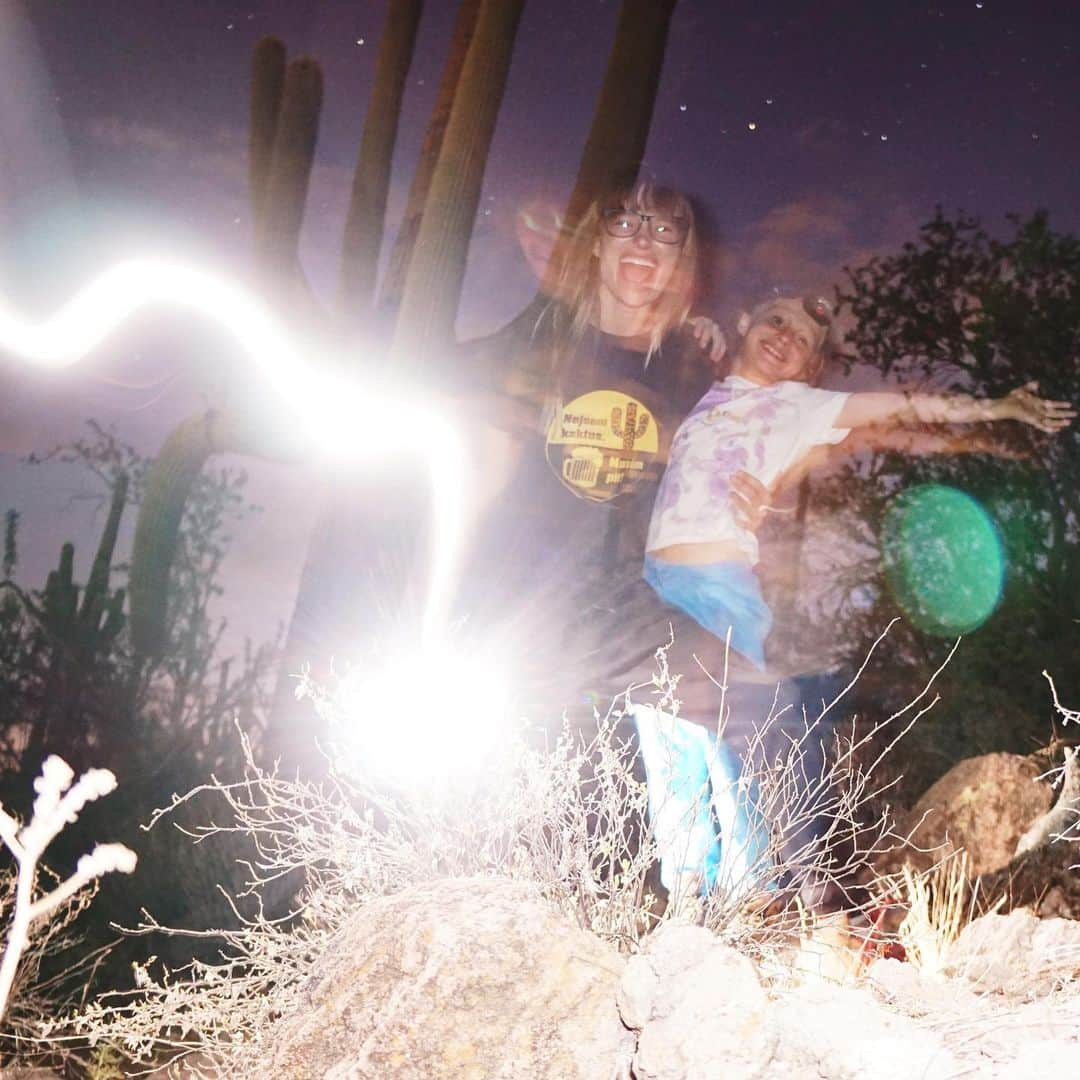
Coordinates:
467	979
983	805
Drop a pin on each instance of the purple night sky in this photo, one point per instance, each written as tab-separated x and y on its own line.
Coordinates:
814	134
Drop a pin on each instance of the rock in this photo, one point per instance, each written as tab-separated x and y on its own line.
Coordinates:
984	805
467	979
698	1007
903	987
1017	954
1044	879
844	1033
990	1034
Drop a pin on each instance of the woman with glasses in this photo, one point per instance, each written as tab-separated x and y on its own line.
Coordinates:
587	387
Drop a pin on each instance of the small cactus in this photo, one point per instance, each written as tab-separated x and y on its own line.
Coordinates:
635	426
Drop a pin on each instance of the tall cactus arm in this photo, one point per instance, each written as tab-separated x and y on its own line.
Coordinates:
437	269
277	232
59	603
267	87
168	484
393	283
620	125
371	181
157	530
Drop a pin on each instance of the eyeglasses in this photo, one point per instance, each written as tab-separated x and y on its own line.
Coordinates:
623	224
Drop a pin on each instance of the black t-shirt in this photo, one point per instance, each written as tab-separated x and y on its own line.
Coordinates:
558	559
598	418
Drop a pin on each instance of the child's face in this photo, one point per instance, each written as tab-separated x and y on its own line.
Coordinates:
781	342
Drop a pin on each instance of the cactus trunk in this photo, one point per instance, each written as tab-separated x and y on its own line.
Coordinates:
157	530
393	284
277	231
425	324
267	87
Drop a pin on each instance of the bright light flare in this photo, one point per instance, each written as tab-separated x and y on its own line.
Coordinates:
345	419
432	713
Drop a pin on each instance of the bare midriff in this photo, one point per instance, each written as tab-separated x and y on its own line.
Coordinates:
697	554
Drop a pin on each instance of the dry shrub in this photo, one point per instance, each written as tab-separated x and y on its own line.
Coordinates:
53	967
824	794
38	906
565	817
561	818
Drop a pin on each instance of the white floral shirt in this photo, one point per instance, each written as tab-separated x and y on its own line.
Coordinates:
737	425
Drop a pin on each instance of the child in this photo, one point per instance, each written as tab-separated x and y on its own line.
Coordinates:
764	418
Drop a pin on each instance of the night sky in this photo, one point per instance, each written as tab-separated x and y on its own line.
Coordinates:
814	134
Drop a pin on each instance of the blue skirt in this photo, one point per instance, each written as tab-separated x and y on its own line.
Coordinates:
717	596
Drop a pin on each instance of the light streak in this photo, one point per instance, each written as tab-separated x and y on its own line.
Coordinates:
343	417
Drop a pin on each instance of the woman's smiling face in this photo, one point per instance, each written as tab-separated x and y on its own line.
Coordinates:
635	271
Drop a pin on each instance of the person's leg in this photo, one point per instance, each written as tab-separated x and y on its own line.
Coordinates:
745	862
677	758
779	730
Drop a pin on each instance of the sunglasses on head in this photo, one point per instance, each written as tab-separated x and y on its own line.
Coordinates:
819	309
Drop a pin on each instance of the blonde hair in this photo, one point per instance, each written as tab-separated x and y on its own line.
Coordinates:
815	307
573	278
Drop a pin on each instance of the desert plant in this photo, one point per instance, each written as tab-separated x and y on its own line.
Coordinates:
939	904
821	790
58	804
964	307
557	817
566	817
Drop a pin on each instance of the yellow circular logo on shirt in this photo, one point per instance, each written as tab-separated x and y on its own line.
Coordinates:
602	444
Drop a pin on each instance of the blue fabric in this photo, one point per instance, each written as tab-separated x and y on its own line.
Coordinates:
708	829
717	596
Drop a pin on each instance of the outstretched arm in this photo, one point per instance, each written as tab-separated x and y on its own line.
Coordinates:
1022	404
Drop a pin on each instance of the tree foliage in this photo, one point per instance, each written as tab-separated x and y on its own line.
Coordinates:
962	309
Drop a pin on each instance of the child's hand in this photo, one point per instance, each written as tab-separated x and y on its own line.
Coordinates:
710	337
1025	405
750	500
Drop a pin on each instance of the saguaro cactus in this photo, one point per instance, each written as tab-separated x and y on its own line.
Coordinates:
84	629
393	283
623	116
267	87
437	269
282	196
636	426
285	107
78	631
157	529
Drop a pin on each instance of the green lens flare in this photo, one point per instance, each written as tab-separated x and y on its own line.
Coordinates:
943	559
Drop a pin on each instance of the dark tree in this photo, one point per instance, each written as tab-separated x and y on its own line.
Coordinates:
964	310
